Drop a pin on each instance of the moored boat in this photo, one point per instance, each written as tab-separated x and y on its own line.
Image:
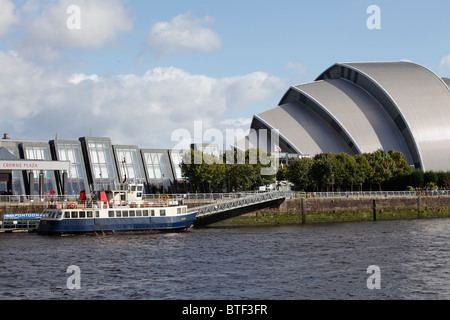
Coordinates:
116	212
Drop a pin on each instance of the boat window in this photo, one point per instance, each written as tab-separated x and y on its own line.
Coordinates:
133	188
82	214
118	214
132	213
138	213
74	214
152	213
59	215
89	214
111	214
97	214
67	214
125	213
178	210
184	209
145	213
162	212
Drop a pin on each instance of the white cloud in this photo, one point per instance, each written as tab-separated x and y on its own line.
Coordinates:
445	62
7	16
183	33
46	30
297	72
237	123
142	110
80	77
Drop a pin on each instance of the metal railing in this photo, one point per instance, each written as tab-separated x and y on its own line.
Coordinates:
238	203
236	195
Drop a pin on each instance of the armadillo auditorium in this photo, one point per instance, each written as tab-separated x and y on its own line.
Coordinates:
362	107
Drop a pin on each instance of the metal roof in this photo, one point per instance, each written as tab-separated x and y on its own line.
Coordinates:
361	107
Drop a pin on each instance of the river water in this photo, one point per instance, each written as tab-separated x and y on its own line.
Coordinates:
315	261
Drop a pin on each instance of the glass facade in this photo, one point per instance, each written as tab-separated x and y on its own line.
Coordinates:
158	174
40	152
128	161
95	164
76	178
102	163
17	177
177	158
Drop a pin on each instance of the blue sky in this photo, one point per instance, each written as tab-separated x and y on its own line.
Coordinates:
137	70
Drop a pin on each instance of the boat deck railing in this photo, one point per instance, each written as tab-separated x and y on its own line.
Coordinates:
97	204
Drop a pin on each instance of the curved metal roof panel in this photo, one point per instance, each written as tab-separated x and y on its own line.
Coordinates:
423	100
359	114
308	132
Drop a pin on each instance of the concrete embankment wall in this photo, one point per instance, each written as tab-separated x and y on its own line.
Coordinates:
338	209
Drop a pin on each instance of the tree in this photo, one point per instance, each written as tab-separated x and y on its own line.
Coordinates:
299	173
401	164
430	178
206	176
383	166
323	170
364	170
346	171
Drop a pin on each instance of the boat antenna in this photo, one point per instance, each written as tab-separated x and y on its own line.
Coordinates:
124	171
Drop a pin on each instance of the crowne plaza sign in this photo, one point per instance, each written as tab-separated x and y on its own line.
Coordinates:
34	165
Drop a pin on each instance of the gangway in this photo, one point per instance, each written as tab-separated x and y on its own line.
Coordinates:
215	212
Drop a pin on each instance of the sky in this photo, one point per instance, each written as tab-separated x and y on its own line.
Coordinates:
148	73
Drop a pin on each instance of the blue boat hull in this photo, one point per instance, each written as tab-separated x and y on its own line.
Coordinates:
95	226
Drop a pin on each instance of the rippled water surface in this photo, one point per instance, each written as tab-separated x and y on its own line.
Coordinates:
322	261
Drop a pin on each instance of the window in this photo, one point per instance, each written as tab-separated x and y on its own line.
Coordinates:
111	214
97	214
132	213
89	214
152	213
178	210
75	178
118	214
128	161
177	158
67	214
82	214
138	213
162	212
184	209
125	213
40	153
74	214
145	213
102	161
156	167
